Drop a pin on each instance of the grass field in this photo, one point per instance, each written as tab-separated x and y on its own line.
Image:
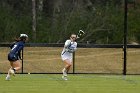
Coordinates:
91	60
77	83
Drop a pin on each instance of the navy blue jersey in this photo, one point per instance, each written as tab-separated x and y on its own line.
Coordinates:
15	51
17	47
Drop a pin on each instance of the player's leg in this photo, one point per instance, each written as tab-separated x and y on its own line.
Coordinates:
15	66
8	75
10	71
68	64
66	68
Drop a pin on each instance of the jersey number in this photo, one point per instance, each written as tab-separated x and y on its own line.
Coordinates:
14	47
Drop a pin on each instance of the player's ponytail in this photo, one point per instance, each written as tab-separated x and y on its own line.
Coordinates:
17	39
22	37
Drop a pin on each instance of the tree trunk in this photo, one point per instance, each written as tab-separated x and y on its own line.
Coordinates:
40	9
34	19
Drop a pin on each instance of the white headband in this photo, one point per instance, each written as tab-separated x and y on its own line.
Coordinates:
23	35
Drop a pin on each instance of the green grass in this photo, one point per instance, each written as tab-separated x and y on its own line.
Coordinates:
78	83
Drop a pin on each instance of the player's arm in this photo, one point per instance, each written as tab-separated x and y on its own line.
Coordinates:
67	44
19	51
73	49
19	55
20	48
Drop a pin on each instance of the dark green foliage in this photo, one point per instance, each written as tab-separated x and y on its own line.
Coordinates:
14	19
102	20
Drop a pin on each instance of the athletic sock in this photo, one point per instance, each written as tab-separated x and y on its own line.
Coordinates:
8	75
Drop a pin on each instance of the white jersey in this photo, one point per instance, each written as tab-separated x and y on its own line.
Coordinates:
68	49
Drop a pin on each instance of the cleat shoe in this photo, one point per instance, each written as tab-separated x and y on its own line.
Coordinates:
7	78
64	72
64	78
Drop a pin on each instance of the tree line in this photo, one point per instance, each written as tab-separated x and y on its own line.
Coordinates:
52	21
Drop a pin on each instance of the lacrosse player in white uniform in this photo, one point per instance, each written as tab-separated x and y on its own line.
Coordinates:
66	55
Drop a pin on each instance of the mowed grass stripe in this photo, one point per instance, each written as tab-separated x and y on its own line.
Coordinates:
38	83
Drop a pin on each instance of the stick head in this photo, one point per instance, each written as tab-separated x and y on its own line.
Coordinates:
80	33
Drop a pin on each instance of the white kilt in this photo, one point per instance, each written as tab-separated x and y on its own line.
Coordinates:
66	56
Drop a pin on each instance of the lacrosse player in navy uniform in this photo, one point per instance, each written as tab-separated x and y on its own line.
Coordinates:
66	55
14	55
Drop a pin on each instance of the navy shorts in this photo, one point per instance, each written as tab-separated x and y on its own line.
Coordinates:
12	57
